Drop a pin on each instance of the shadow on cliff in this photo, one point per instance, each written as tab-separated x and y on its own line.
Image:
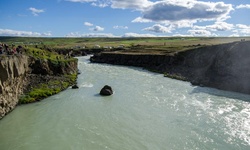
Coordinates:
221	93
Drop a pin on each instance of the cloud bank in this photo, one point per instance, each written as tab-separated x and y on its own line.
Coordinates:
90	35
9	32
131	34
170	10
158	29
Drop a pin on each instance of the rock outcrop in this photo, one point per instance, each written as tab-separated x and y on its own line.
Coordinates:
20	73
48	67
75	87
13	70
106	91
225	66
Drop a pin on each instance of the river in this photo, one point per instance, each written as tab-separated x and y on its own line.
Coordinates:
146	112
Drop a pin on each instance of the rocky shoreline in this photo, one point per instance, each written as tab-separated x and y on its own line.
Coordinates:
224	66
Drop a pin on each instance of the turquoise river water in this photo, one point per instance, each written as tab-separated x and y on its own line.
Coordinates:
146	112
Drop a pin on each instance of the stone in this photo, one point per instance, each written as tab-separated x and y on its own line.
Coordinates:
75	87
106	91
78	71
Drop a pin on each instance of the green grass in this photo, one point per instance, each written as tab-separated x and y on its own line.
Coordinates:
51	56
39	93
42	91
90	42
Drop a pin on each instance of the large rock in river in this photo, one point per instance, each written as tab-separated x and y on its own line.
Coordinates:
106	91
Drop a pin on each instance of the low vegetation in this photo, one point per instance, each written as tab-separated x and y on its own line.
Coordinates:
43	90
43	53
145	45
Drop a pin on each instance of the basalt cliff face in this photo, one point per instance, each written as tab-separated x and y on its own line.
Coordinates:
13	70
19	73
225	66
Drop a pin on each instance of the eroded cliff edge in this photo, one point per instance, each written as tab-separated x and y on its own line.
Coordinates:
19	74
13	70
225	66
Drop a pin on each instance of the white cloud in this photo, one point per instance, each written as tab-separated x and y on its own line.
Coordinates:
247	6
242	26
35	11
101	3
183	35
158	29
9	32
141	20
120	27
242	29
98	35
181	23
97	28
90	35
88	24
97	3
131	4
220	26
217	26
201	33
109	35
234	35
170	10
73	34
138	35
81	1
121	4
46	34
199	27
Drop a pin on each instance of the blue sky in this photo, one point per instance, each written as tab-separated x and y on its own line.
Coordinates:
124	18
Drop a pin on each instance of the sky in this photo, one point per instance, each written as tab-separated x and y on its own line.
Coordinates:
124	18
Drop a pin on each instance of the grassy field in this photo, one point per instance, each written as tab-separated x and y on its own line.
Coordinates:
159	44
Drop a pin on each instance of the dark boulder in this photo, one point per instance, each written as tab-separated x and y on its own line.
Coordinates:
75	87
106	91
78	71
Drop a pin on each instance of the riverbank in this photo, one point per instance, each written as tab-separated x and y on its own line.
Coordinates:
223	66
28	78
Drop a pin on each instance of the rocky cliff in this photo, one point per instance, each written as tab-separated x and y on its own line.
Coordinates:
225	66
48	67
13	70
21	73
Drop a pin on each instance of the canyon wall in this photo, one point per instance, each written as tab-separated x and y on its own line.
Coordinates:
20	73
225	66
13	70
